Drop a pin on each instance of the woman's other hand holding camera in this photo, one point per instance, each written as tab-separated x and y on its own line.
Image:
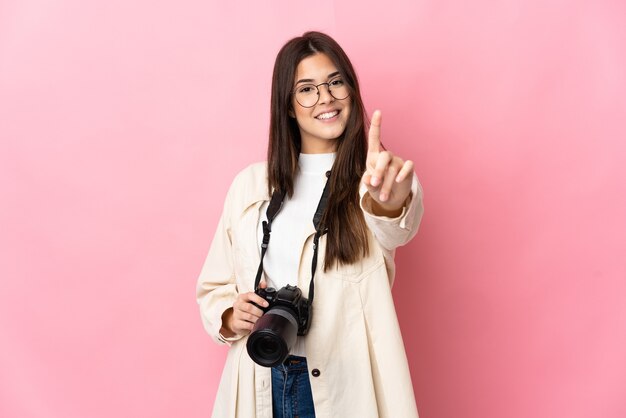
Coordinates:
240	319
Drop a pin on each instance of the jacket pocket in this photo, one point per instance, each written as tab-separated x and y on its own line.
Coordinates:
245	248
359	271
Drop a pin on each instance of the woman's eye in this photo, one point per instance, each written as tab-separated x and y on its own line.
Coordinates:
305	89
337	82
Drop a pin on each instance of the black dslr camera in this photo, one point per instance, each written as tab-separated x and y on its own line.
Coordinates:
288	315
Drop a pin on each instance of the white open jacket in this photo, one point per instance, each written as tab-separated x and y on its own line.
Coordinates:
354	340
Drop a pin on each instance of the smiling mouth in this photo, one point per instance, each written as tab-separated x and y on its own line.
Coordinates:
327	115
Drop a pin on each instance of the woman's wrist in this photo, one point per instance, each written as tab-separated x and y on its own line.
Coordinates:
226	329
379	209
390	211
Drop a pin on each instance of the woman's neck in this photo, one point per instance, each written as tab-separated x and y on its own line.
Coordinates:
319	147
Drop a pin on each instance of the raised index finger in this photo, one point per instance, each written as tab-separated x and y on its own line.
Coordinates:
373	138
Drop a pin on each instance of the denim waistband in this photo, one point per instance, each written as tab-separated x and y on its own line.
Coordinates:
294	363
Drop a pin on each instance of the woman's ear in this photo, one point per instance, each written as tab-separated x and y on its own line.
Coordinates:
292	113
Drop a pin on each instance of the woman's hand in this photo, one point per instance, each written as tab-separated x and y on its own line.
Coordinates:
387	177
240	319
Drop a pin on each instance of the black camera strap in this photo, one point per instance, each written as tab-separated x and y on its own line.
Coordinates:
319	231
273	208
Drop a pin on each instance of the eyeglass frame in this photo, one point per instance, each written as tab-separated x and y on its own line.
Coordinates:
317	87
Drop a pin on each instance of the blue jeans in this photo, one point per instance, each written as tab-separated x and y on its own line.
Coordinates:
291	389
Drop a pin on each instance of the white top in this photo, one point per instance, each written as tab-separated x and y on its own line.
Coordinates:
283	257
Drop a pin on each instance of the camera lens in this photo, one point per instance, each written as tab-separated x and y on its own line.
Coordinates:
267	349
272	337
267	346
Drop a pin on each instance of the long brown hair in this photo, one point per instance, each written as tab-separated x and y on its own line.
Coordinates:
347	232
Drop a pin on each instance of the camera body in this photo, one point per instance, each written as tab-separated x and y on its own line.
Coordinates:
289	297
287	316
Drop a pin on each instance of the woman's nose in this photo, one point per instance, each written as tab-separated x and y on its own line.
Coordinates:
324	92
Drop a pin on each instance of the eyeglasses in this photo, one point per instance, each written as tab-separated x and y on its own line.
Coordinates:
307	95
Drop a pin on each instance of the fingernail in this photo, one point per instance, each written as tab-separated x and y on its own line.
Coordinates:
383	196
266	303
374	181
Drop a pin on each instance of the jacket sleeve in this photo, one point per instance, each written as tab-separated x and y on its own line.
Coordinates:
394	232
216	289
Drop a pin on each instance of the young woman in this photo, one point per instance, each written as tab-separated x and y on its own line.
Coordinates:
351	362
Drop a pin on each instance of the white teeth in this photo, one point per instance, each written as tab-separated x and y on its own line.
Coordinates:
327	115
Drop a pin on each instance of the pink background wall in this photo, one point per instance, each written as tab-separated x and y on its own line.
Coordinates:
122	124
